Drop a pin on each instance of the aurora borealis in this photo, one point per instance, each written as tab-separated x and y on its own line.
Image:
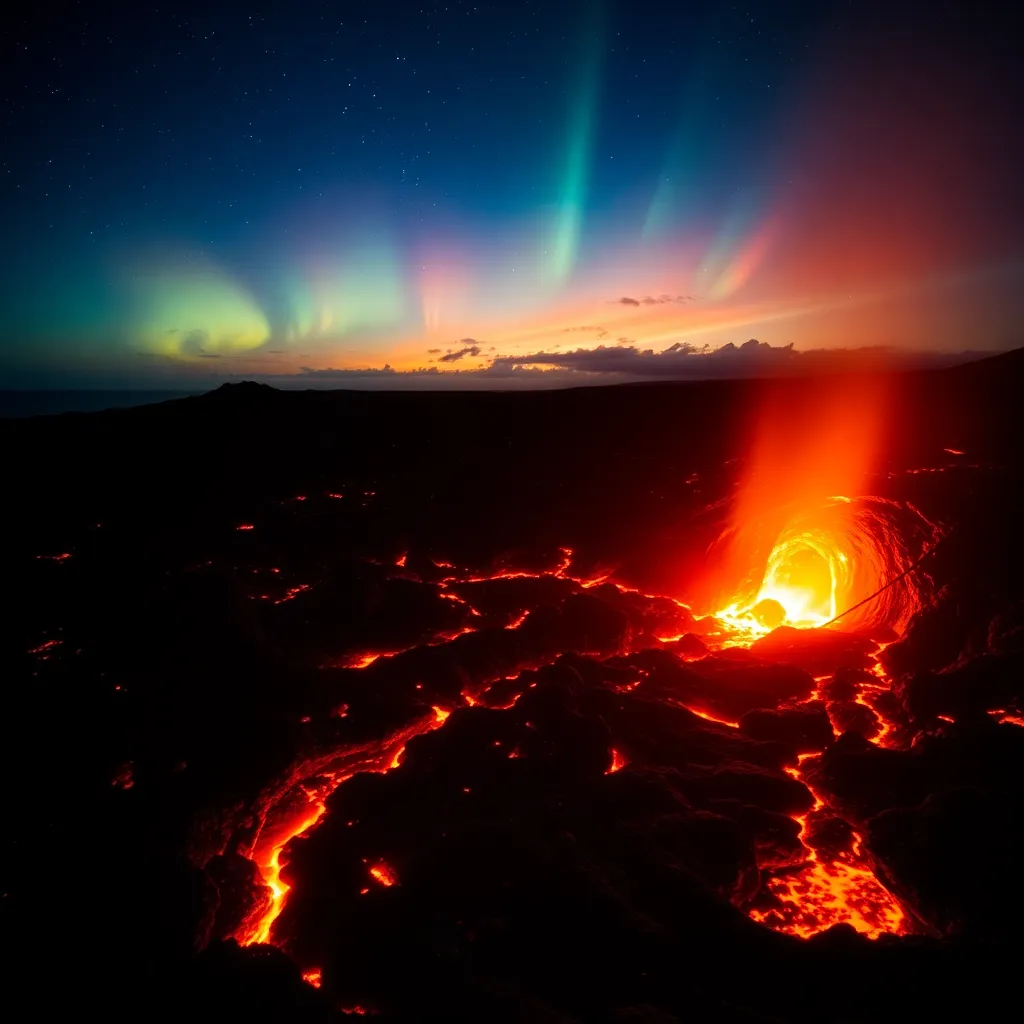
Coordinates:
339	191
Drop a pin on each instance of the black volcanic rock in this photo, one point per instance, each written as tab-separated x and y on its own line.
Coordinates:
240	892
863	779
722	686
939	818
814	650
807	728
846	684
827	834
733	689
689	646
773	791
592	625
258	983
776	837
849	716
943	855
984	683
243	390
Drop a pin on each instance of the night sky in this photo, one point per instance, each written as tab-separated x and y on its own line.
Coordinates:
522	192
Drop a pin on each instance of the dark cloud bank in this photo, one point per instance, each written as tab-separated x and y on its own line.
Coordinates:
616	364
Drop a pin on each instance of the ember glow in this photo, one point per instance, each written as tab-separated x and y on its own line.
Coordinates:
384	874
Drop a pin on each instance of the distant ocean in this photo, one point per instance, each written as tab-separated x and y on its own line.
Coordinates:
47	403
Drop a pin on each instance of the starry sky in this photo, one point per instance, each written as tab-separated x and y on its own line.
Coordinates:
471	194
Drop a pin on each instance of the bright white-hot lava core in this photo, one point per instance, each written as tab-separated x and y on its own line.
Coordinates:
825	562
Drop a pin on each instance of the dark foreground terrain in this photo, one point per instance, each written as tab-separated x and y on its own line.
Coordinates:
539	794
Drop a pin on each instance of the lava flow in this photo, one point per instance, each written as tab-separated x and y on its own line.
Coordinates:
803	901
820	894
271	839
299	804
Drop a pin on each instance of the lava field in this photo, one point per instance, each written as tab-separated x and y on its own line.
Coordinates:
513	707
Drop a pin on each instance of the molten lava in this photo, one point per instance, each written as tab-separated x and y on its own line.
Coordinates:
824	893
384	873
285	824
797	550
841	557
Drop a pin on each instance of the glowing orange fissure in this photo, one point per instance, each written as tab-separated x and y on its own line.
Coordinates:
269	844
821	894
384	873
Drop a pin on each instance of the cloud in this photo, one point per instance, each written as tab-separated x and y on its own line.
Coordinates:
461	353
194	342
598	330
684	361
617	364
331	372
651	300
433	351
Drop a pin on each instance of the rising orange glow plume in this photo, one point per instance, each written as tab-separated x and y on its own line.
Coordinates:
804	544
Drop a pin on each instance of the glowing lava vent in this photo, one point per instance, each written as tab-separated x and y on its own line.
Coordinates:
829	560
